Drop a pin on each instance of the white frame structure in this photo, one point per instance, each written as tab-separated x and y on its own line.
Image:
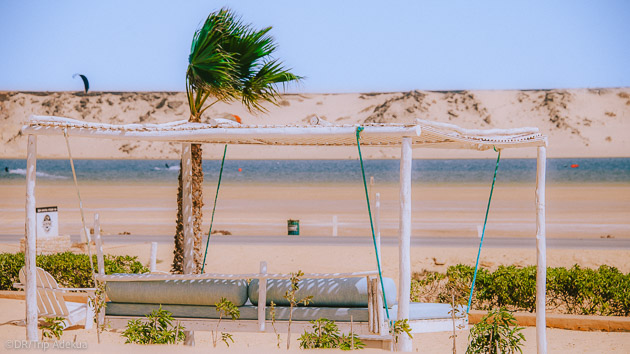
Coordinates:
418	134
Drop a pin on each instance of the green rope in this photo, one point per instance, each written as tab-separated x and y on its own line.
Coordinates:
213	209
485	221
367	198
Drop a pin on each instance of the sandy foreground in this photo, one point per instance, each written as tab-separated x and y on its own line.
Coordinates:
244	259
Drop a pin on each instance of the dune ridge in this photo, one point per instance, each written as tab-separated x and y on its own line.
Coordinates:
579	122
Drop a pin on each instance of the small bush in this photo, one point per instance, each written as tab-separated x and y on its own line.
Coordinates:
69	269
326	335
52	327
397	328
496	333
10	264
156	329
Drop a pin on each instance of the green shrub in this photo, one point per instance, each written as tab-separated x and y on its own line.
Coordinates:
156	329
326	335
496	333
602	291
52	327
397	328
69	269
10	264
225	308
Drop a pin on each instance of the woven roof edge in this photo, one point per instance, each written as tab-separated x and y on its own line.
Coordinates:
317	133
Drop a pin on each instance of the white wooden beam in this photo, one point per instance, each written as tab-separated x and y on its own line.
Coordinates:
404	241
31	241
541	252
344	135
154	277
187	205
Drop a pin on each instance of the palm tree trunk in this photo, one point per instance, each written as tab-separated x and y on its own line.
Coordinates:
197	196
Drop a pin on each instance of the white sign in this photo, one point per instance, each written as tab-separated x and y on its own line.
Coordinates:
47	222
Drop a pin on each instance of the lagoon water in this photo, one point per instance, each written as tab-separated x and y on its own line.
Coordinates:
471	171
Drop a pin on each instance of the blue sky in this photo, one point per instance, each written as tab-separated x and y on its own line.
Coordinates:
339	46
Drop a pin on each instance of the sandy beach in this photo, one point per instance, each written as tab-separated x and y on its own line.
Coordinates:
573	211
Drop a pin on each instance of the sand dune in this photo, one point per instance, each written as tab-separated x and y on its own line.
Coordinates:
579	122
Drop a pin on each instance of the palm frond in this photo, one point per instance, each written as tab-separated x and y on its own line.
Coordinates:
231	60
263	85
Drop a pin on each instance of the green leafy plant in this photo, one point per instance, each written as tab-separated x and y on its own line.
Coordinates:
397	328
10	265
98	302
497	332
455	310
326	335
157	328
52	327
225	308
575	290
294	301
272	312
69	269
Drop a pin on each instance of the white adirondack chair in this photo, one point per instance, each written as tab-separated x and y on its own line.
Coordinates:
50	301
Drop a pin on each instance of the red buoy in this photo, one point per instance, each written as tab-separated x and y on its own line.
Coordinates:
240	169
575	165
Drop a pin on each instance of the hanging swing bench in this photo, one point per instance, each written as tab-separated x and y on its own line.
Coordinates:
357	299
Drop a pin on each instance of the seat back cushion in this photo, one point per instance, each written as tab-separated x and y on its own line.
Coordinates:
340	292
181	292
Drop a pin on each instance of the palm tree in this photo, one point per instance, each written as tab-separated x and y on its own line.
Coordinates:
228	61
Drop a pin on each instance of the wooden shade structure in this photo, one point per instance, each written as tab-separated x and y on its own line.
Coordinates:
419	134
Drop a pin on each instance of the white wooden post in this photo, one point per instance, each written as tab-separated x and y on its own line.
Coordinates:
541	252
189	237
262	297
100	260
404	241
371	186
31	241
187	215
335	227
153	258
371	305
99	245
377	226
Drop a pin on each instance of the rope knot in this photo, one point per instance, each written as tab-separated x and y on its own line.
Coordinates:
359	130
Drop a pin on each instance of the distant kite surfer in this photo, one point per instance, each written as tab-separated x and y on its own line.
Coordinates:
86	84
166	166
6	169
